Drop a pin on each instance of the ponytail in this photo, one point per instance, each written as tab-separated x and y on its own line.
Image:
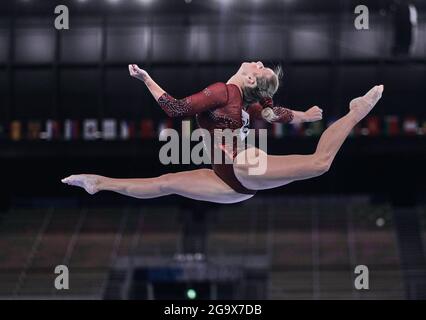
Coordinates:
263	93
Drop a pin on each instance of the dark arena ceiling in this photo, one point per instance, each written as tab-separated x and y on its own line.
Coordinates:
179	7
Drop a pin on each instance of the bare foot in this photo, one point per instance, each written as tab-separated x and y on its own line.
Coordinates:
89	182
361	106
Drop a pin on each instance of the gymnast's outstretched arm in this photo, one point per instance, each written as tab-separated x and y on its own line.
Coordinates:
143	76
266	110
213	96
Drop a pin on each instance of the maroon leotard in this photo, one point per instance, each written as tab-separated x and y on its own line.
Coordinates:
219	106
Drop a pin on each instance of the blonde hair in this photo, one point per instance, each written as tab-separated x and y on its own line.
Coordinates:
266	88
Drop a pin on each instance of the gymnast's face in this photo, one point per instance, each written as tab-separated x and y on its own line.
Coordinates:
255	69
250	72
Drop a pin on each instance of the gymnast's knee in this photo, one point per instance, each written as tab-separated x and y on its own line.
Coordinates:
251	162
321	164
167	183
241	170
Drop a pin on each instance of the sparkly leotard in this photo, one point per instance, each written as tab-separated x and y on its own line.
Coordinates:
220	106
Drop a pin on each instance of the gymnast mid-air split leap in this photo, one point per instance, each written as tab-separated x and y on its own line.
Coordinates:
247	94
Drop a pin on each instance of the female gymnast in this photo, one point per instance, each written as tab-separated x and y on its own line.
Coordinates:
221	105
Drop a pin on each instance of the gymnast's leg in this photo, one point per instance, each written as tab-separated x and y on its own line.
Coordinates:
282	170
201	184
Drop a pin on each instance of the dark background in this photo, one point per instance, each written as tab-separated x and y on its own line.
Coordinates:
82	73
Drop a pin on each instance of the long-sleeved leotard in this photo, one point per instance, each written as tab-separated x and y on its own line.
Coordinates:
213	96
282	114
219	106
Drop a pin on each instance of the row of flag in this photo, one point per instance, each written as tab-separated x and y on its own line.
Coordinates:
372	126
88	129
113	129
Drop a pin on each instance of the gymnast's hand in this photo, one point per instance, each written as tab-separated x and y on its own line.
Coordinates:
137	72
313	114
